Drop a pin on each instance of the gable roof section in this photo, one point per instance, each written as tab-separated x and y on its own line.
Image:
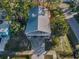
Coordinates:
32	22
37	21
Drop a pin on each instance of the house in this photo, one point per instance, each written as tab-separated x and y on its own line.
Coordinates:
38	26
38	30
4	34
74	29
74	34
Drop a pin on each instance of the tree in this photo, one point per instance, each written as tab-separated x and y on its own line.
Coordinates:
6	5
59	26
74	6
17	13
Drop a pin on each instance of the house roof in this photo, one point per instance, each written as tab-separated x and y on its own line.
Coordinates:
75	28
38	20
4	28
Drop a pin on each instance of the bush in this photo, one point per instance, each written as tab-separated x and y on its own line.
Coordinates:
55	41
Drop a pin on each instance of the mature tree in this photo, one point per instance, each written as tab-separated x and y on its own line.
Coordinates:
17	11
59	26
74	5
6	5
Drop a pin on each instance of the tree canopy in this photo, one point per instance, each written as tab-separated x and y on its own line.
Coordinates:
17	13
58	23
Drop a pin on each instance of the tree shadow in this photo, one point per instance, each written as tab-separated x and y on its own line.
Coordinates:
18	42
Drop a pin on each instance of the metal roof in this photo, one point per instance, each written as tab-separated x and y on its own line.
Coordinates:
75	27
38	20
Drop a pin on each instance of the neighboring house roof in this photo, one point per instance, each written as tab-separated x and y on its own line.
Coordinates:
68	0
4	28
4	34
38	20
75	28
